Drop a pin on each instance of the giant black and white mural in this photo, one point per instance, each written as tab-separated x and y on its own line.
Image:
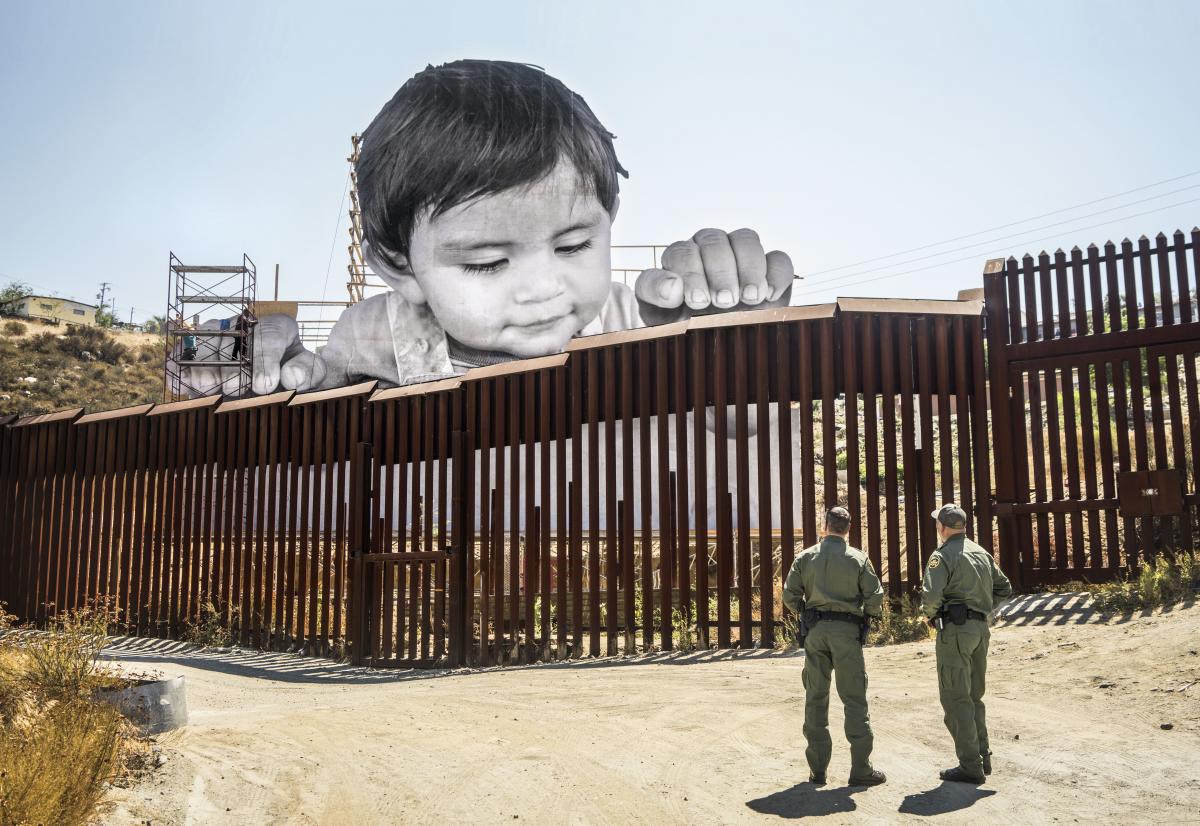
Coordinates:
489	191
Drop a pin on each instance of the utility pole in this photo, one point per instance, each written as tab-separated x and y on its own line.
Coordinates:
276	282
104	285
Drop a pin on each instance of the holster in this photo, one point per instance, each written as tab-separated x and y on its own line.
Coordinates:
803	627
864	629
957	613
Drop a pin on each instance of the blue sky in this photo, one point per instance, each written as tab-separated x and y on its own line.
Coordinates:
841	132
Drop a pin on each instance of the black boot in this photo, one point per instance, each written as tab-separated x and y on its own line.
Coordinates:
873	779
987	763
960	775
817	779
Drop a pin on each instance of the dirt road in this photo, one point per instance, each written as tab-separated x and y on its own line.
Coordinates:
1078	711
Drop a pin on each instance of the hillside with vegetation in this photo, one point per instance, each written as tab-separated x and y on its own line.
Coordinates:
47	367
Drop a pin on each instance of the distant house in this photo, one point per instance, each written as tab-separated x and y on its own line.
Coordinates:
53	309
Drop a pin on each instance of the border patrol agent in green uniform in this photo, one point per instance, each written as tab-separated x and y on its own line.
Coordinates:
961	585
834	591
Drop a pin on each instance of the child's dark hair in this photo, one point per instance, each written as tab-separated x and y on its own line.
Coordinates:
470	128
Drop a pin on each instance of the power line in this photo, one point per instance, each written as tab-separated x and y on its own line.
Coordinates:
821	287
830	281
1006	226
333	245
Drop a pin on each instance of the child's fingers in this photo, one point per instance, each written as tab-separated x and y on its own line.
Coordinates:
203	379
273	335
751	265
304	371
720	267
659	288
780	274
229	387
683	258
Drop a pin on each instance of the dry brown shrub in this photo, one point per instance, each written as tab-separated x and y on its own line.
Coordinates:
57	763
59	746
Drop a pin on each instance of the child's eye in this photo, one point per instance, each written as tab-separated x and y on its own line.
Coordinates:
586	245
490	266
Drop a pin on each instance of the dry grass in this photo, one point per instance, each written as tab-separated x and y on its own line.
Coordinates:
59	746
77	367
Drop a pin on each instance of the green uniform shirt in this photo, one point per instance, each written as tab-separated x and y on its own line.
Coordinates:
833	576
961	571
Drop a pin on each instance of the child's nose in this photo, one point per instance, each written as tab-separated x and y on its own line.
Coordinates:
541	282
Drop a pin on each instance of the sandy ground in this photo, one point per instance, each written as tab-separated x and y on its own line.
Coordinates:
1076	710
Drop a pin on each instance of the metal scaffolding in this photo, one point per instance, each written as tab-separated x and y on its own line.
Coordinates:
210	316
363	283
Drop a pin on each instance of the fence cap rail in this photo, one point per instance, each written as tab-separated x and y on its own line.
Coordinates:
360	389
675	328
911	306
7	418
775	315
255	401
47	418
119	413
418	389
184	405
513	367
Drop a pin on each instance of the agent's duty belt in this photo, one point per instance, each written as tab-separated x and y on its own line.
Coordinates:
959	613
813	616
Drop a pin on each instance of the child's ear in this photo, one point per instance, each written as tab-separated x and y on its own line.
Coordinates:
393	268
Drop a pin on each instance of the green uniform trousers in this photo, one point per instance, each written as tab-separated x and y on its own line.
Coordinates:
832	647
962	666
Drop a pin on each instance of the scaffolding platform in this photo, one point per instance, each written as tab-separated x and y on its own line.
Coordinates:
210	318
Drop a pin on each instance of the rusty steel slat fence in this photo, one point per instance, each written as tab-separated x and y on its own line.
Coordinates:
645	490
1092	369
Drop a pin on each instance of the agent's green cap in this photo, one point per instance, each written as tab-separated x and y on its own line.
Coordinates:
951	515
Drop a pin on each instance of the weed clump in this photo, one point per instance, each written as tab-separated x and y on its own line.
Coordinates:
14	328
208	630
1165	581
902	621
61	666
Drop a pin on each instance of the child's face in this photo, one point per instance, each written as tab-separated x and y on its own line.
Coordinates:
518	272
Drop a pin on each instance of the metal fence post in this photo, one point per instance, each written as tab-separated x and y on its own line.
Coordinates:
360	544
1003	441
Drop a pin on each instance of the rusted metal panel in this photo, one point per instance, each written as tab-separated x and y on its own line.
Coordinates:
1151	492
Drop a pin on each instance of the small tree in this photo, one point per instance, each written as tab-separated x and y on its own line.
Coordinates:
11	293
155	324
105	318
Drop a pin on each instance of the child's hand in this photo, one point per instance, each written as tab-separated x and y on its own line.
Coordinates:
279	359
715	272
